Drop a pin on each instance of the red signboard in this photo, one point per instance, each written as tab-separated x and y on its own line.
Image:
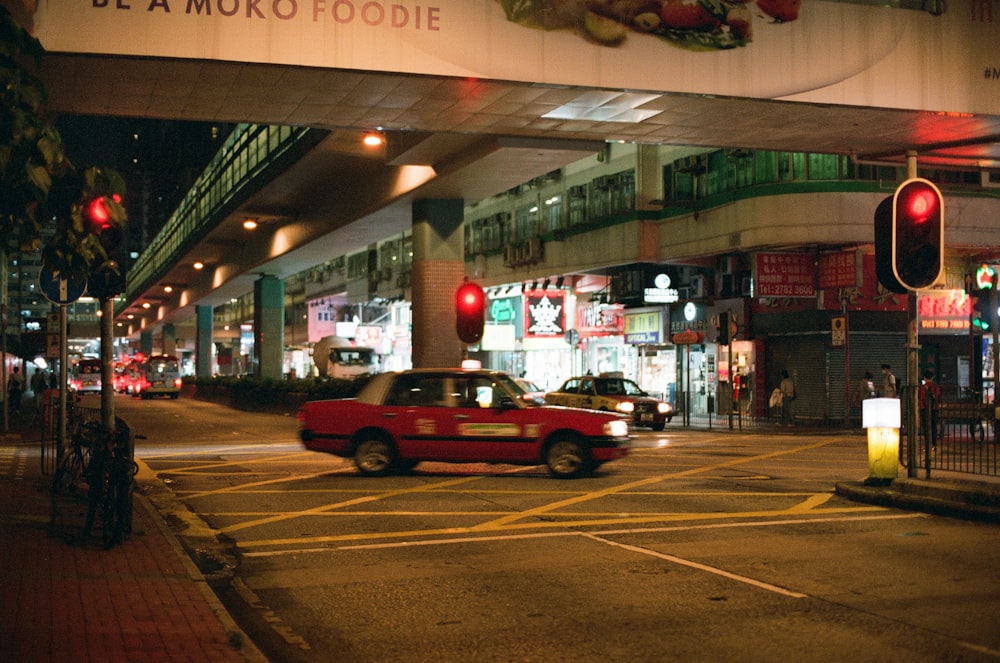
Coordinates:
943	311
785	275
600	320
839	270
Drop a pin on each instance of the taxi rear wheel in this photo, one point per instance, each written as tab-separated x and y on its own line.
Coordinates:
374	456
567	458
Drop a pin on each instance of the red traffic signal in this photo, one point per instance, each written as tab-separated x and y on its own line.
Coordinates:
470	312
100	220
917	234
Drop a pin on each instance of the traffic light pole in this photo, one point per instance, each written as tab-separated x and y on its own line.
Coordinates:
912	359
107	364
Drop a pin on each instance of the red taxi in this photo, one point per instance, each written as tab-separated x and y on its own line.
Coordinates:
459	416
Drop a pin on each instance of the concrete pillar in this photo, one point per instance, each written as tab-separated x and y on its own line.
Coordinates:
438	270
205	317
169	339
268	326
146	342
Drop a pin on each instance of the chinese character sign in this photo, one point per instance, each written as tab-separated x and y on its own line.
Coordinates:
785	275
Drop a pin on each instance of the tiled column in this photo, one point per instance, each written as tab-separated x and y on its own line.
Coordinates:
438	270
203	343
268	326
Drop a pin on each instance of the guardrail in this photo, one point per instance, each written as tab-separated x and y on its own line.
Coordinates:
957	434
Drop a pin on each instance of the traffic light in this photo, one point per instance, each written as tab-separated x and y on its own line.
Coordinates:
723	329
470	312
917	234
101	217
981	311
883	248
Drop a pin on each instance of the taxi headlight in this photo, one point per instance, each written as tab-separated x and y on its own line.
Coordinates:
664	408
625	407
616	428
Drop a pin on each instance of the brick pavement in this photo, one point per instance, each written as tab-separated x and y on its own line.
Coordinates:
63	598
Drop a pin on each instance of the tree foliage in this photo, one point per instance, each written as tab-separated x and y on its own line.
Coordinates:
39	187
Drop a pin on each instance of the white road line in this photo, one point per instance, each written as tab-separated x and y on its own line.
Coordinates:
700	567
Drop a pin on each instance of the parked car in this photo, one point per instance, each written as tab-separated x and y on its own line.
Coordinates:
461	416
532	392
614	394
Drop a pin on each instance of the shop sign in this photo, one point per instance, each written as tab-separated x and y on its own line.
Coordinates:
502	311
784	275
661	293
600	320
943	311
688	337
693	316
840	270
643	327
544	314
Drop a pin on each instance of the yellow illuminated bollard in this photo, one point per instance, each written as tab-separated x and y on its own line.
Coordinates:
881	417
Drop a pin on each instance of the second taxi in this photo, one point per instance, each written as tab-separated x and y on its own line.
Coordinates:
615	394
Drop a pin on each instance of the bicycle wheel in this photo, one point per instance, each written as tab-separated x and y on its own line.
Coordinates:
69	472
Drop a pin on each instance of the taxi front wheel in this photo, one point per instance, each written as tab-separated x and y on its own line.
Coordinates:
567	459
374	456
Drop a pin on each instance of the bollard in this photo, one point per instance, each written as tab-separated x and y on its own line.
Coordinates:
881	417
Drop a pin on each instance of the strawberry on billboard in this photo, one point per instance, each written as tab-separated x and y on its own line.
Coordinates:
844	52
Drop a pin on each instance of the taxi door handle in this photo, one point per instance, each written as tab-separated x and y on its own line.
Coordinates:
389	415
461	417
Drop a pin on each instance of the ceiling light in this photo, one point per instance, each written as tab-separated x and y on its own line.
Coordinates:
373	139
146	304
168	288
249	223
198	265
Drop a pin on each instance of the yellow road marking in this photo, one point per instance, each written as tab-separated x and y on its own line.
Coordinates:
643	482
339	505
510	527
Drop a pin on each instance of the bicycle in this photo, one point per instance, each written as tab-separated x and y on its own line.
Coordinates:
73	464
111	477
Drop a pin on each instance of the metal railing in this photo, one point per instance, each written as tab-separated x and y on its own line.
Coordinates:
955	434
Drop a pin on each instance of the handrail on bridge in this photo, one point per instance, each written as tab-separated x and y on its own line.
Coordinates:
241	167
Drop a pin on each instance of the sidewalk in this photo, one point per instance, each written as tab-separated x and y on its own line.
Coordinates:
67	599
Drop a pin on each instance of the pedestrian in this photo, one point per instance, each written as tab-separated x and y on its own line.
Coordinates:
15	387
866	388
888	382
39	383
788	394
929	397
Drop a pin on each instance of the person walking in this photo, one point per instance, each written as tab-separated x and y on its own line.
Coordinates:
865	390
787	388
15	388
929	397
888	383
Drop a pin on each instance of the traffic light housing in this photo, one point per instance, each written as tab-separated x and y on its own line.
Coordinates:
723	329
917	234
101	219
470	312
981	317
